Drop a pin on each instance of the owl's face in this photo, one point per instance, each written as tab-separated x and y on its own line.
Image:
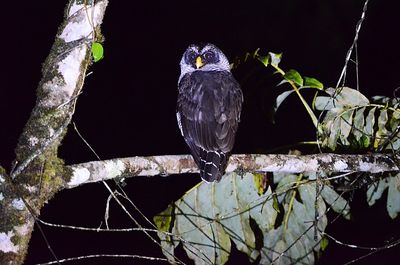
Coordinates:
203	58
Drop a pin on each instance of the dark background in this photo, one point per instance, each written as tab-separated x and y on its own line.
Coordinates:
128	103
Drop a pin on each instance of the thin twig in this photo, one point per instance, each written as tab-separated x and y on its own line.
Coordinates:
353	45
106	256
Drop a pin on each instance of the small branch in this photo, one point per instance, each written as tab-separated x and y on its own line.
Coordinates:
342	77
178	164
103	256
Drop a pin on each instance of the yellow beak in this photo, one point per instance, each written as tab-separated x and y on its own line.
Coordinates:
199	62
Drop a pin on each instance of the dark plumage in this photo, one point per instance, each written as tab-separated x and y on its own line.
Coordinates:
208	109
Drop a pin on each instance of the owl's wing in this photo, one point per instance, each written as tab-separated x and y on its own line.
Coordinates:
209	106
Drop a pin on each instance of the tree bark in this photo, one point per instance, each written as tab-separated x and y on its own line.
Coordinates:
39	173
178	164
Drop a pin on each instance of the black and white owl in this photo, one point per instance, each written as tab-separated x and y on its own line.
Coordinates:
208	109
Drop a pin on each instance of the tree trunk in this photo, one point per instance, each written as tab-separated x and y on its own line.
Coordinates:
39	173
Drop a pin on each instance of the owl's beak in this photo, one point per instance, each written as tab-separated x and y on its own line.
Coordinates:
199	62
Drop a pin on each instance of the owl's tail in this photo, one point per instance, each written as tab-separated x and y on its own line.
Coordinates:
212	165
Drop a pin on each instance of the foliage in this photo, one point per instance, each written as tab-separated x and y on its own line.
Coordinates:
294	79
283	222
352	120
210	216
375	191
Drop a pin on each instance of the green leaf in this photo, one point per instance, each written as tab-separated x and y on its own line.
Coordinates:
343	97
382	132
285	183
260	182
330	128
313	83
275	203
358	123
395	144
382	121
163	220
297	240
381	99
324	243
369	127
346	123
167	246
294	76
375	190
337	202
395	120
350	97
393	198
97	51
283	81
264	60
334	133
281	98
204	240
323	103
308	195
344	118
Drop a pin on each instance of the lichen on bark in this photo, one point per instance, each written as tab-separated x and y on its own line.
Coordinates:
38	171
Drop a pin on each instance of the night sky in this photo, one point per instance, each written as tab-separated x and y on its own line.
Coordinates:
128	103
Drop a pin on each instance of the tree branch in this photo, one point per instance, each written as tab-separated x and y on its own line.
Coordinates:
177	164
38	172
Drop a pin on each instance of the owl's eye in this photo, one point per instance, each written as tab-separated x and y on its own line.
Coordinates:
209	56
191	56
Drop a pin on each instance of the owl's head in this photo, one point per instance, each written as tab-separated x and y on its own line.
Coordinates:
203	57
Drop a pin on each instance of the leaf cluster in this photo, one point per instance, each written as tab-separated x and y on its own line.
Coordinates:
280	227
353	121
